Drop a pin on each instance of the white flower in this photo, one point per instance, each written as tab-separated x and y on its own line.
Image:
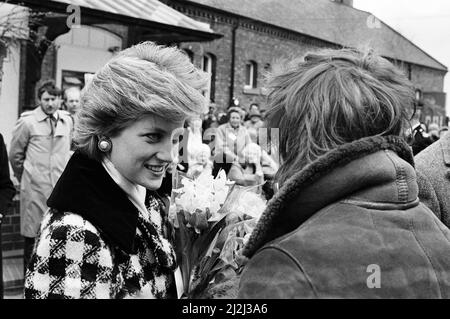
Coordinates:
202	193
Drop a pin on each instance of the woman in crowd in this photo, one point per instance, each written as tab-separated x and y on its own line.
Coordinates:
106	234
346	221
254	124
230	140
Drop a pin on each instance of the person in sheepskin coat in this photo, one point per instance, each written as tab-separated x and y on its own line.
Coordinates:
107	233
346	221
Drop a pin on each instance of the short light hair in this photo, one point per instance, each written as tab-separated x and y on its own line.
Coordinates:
146	79
71	89
333	97
249	148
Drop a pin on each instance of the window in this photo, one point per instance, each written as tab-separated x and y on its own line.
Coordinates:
72	78
250	74
418	95
419	98
209	66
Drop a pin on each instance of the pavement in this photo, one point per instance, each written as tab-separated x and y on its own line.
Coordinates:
13	274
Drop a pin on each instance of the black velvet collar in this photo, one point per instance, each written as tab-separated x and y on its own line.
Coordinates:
85	188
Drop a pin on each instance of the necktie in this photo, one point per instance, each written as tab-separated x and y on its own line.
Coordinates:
52	122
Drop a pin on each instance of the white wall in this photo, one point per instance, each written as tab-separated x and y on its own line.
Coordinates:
9	95
84	49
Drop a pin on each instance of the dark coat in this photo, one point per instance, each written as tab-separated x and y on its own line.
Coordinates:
420	140
433	177
7	189
346	224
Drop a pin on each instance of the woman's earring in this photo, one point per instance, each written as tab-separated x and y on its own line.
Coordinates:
104	144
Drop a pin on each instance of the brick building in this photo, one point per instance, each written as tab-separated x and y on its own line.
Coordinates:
258	33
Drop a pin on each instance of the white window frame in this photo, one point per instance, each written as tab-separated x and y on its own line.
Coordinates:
207	66
250	81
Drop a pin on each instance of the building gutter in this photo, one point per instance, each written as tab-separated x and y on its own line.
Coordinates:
233	61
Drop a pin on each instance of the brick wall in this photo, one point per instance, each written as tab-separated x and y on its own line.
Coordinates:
427	79
265	44
11	238
48	69
254	41
221	50
265	50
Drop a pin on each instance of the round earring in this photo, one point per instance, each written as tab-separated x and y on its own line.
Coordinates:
104	144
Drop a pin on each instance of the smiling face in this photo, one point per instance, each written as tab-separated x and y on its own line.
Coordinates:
235	119
143	151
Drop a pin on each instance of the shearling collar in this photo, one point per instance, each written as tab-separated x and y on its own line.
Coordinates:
331	178
85	188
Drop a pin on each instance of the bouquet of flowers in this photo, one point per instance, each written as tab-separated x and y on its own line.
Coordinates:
213	219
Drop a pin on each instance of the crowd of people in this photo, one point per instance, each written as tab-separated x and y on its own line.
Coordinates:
239	146
421	135
345	191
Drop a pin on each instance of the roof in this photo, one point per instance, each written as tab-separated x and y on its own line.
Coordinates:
151	10
332	22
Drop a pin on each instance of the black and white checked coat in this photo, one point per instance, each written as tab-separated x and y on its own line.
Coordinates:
94	243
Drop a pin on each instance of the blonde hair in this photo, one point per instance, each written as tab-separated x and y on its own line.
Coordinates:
251	148
146	79
333	97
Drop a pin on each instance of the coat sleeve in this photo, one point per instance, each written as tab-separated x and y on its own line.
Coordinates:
70	261
7	189
274	274
19	144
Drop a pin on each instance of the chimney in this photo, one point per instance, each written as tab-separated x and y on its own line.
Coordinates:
346	2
